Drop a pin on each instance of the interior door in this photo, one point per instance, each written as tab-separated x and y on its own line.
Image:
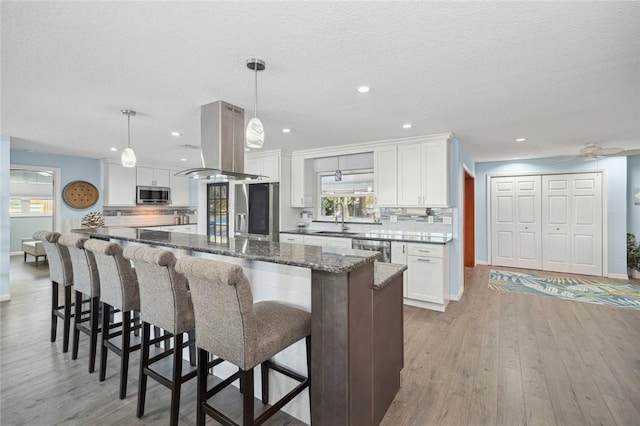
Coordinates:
516	222
572	229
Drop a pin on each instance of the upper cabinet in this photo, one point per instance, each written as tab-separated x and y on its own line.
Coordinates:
180	189
298	198
119	185
385	166
146	176
423	174
266	165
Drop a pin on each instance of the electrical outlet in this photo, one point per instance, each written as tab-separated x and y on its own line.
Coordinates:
429	219
446	220
393	218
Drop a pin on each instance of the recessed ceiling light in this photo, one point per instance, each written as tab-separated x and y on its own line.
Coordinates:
30	151
363	89
286	130
113	148
183	159
406	126
247	149
176	134
516	158
521	139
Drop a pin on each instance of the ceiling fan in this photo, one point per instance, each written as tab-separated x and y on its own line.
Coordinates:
593	151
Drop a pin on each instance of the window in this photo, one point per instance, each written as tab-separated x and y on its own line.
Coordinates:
354	192
30	206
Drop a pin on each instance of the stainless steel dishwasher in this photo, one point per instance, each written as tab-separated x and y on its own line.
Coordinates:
384	247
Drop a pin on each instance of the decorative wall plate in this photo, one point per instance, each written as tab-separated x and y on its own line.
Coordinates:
80	194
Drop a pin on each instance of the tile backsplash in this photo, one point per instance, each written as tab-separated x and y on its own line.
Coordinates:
138	216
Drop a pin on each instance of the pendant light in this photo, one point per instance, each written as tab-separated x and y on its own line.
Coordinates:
128	157
255	129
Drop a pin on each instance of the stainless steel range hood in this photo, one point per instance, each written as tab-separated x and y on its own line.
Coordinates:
222	143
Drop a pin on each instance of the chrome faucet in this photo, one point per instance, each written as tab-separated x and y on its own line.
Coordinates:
342	209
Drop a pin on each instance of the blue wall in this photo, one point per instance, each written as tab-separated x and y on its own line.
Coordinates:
71	169
616	177
4	217
458	156
633	181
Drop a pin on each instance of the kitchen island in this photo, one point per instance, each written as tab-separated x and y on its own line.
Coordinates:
356	314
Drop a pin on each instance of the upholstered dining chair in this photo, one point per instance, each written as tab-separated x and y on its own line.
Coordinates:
231	326
61	273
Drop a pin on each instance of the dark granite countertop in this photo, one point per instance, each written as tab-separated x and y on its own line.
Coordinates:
384	273
382	235
326	259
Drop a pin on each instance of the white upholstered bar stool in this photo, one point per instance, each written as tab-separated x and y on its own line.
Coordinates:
231	326
119	290
61	273
86	282
165	302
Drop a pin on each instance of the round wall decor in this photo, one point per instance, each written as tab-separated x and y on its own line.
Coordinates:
80	194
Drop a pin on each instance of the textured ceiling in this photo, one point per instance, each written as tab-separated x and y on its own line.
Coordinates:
561	74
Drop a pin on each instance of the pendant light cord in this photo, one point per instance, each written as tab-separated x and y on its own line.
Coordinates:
255	68
128	130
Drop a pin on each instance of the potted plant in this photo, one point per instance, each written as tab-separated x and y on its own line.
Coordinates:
633	256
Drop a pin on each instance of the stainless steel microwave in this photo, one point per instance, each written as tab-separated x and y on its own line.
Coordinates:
153	195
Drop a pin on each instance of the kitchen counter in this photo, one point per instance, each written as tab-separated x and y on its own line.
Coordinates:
382	235
385	273
325	259
356	315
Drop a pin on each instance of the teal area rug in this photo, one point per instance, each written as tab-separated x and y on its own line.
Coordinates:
579	289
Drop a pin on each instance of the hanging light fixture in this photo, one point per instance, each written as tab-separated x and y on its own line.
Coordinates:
128	157
255	129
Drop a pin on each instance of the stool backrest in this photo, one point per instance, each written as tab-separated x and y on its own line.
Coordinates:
60	269
164	296
83	262
118	282
223	308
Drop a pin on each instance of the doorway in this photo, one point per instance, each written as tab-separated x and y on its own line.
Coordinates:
469	220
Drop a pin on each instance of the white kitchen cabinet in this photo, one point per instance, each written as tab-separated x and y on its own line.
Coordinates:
399	253
317	240
385	166
423	174
267	165
180	189
298	198
147	176
428	276
119	185
292	238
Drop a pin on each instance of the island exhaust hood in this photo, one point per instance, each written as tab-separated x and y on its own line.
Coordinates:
222	143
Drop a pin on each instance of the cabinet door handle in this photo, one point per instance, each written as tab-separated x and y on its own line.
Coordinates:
423	260
403	249
424	251
302	201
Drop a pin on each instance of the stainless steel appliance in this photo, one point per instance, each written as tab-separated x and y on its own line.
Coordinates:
153	195
384	247
257	213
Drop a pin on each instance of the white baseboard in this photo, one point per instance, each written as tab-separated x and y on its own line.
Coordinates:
426	305
481	262
15	253
5	297
618	276
457	297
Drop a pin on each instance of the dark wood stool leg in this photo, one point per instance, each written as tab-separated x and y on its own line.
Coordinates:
124	360
191	335
264	372
246	378
203	358
136	321
307	342
67	318
106	315
54	307
177	377
156	334
93	314
76	327
144	363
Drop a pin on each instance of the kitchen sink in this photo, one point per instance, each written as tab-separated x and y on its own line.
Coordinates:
335	233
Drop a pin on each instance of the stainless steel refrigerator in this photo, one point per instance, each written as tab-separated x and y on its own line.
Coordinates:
257	214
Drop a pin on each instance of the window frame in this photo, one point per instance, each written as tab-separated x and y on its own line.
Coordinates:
319	196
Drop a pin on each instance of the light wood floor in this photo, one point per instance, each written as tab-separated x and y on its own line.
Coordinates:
492	358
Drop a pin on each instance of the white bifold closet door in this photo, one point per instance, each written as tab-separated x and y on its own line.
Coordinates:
572	223
515	222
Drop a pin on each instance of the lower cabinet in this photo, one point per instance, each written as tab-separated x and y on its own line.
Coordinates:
292	238
316	240
399	253
427	284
